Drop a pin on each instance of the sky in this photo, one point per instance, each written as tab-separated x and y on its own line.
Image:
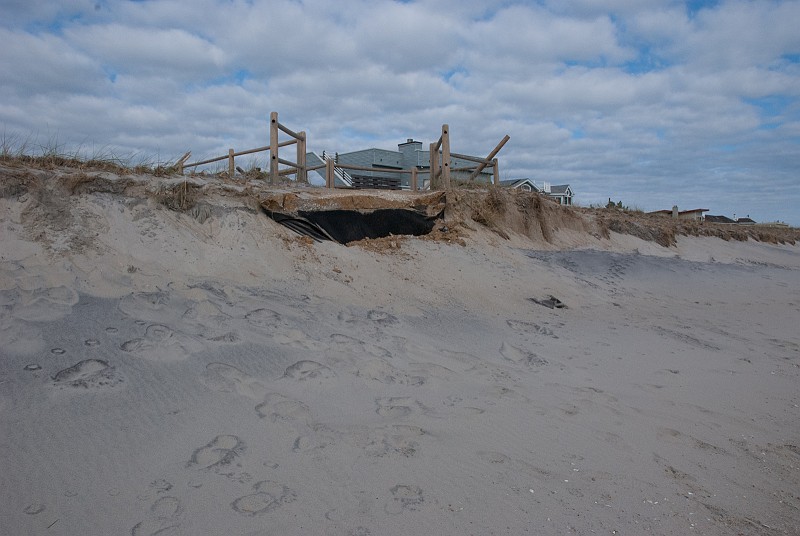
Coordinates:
653	103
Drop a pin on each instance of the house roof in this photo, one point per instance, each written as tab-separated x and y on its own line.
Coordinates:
692	211
516	183
560	189
718	219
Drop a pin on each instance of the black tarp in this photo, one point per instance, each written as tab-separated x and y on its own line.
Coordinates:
346	226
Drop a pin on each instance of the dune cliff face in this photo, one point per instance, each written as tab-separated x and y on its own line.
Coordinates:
173	361
62	209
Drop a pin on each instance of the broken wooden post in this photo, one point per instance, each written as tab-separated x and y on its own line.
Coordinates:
302	173
434	160
445	157
490	157
273	147
330	178
231	168
182	161
496	167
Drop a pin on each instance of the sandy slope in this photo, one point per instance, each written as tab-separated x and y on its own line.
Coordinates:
159	375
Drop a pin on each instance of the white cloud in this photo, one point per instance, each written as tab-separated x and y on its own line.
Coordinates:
146	50
741	34
44	64
532	35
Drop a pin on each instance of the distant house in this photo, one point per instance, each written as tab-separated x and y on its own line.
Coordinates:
745	221
526	185
719	219
408	155
695	214
561	193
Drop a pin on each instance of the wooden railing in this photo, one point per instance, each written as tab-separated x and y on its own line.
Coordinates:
298	167
440	162
441	171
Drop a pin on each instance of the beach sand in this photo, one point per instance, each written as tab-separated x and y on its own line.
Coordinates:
159	375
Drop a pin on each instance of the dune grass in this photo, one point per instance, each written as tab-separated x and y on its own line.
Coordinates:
50	154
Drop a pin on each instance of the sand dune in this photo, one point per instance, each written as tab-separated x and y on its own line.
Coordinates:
159	375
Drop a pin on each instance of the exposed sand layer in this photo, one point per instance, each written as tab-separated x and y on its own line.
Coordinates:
208	372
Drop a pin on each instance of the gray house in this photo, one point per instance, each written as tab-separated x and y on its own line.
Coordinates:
408	155
560	193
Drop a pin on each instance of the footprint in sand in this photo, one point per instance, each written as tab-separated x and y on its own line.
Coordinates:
88	374
160	306
399	407
308	370
381	317
228	379
394	441
317	437
382	371
229	337
204	317
162	519
264	318
220	451
351	350
156	488
524	357
268	496
431	370
34	508
404	498
277	407
161	343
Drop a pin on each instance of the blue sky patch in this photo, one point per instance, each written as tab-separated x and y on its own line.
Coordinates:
694	6
771	106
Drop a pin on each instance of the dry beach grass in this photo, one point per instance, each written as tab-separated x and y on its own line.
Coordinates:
172	361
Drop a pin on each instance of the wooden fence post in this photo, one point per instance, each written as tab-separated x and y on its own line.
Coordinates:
183	160
434	154
496	166
273	147
330	178
446	157
302	174
231	167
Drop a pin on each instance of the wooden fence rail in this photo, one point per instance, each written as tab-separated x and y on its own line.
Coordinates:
298	168
440	160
